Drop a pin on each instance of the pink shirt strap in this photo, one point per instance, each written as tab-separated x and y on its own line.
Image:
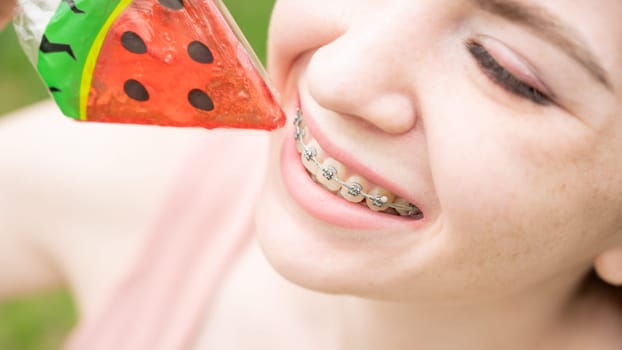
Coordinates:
203	227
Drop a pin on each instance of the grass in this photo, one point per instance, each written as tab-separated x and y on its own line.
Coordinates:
19	84
36	322
41	322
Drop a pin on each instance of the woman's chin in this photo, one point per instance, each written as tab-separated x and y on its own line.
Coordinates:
292	251
321	257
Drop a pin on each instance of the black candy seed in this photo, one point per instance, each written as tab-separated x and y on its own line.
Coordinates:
135	90
133	43
172	4
200	53
200	100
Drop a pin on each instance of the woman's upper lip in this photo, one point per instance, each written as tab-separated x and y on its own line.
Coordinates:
349	160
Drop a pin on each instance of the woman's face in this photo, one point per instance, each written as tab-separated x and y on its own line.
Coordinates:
499	119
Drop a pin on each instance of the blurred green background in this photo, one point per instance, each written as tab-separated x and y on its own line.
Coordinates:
43	320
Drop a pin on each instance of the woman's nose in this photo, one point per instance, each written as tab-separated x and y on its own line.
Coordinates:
361	74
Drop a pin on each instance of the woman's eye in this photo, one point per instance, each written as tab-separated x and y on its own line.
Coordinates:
500	76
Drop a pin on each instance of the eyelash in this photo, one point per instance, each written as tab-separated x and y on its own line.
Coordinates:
502	77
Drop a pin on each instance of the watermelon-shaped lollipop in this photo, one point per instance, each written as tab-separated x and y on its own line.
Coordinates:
160	62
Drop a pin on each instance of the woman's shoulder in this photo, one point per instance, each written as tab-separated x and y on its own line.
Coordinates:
94	189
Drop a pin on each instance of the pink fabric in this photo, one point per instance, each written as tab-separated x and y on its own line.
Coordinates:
163	299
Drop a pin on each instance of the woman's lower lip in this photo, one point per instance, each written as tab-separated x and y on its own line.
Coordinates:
326	206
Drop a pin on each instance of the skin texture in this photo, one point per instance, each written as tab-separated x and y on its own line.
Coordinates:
520	199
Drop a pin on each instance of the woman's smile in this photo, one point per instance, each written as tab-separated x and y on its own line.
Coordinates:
315	181
336	178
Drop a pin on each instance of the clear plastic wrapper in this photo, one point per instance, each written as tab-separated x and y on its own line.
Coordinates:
159	62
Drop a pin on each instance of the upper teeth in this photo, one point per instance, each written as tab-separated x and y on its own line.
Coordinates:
355	189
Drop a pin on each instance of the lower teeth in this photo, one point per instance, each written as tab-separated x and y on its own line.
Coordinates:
331	182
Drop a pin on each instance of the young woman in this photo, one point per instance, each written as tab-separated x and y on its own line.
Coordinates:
455	179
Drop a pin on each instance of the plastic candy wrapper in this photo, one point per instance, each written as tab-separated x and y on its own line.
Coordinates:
158	62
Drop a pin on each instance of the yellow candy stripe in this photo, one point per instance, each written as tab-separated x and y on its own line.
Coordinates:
91	60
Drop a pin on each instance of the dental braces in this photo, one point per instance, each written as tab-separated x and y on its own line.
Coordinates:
354	189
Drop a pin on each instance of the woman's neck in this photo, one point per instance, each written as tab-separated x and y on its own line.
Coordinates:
540	318
524	321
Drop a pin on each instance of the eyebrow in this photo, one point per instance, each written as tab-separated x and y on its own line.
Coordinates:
547	25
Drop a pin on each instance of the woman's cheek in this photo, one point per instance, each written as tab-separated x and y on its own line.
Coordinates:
477	190
510	212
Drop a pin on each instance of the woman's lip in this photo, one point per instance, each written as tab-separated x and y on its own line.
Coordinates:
328	207
349	161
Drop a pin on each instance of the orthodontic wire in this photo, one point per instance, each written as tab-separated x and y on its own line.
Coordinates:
330	173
